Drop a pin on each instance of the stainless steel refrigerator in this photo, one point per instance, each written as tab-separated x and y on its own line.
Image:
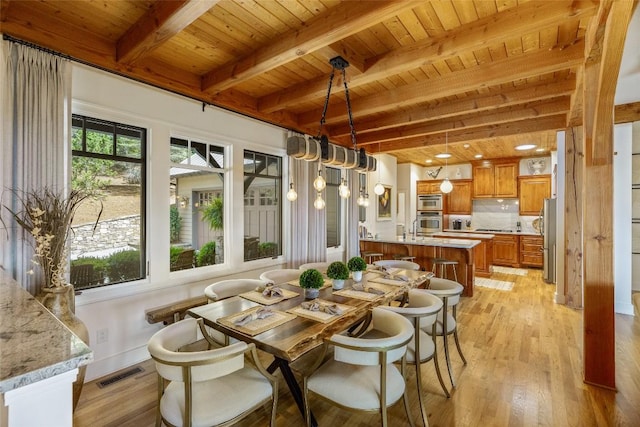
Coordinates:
548	231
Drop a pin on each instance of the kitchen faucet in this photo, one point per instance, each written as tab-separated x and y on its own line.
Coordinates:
415	228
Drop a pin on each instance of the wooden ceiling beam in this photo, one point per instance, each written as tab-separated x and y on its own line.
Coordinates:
471	120
85	47
164	20
344	20
467	80
482	33
475	103
627	113
355	59
491	131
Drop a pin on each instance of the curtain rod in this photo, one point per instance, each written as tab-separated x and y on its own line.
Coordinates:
35	46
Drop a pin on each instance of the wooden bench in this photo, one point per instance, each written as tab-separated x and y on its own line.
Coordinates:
175	311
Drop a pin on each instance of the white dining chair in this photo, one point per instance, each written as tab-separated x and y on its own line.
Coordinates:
281	275
397	263
447	323
320	266
211	387
422	310
361	375
226	289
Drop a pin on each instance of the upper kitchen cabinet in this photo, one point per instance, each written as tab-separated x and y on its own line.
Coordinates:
428	187
459	200
495	178
533	190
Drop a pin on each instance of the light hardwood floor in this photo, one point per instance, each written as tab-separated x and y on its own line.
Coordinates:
524	368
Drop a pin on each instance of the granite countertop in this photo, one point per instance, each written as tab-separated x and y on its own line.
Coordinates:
429	241
34	344
522	233
470	234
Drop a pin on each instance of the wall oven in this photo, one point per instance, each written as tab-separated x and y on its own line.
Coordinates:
429	202
429	222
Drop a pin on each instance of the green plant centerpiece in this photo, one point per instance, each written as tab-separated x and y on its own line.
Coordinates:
339	272
357	265
311	281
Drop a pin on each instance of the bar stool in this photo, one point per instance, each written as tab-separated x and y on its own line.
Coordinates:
443	263
370	257
403	255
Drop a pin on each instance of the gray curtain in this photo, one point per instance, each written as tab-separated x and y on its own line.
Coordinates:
308	225
36	118
352	241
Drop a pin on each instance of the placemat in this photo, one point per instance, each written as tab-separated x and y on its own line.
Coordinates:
257	296
327	283
257	326
392	282
367	296
321	316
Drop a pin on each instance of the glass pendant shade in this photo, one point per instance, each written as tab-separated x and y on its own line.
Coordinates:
366	201
319	183
291	194
446	186
360	200
343	190
378	189
319	202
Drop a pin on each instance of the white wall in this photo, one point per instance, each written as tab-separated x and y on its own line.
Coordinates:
120	309
386	175
622	218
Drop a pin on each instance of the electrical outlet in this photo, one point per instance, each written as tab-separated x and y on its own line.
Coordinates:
102	336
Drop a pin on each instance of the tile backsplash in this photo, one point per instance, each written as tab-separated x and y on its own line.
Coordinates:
496	214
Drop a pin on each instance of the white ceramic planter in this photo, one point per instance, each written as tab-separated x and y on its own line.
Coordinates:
311	293
357	276
338	284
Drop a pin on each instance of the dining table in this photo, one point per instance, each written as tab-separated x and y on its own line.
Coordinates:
294	326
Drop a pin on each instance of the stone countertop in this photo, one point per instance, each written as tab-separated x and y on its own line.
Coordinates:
34	344
468	235
491	232
429	241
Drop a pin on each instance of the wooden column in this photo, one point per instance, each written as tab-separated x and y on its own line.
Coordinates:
573	200
603	53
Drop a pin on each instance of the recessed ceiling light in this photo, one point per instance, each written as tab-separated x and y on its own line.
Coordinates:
466	145
428	161
539	150
443	155
525	147
478	156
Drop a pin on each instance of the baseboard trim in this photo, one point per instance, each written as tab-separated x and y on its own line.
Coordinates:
109	365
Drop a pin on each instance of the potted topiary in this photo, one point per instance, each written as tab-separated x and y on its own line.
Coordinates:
357	265
311	281
339	272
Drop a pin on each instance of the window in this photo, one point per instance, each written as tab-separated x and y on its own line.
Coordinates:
332	199
196	200
262	207
108	159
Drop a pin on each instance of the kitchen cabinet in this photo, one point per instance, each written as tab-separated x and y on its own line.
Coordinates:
531	251
428	187
458	202
506	250
495	178
533	189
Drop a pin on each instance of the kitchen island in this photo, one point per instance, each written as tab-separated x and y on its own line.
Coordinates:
483	253
39	360
424	249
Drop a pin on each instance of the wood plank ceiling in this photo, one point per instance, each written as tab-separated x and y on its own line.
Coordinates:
482	75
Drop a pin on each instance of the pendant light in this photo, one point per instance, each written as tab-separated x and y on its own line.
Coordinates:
318	203
319	183
343	190
291	194
379	188
446	186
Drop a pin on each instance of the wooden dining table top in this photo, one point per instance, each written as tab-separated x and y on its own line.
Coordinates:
300	335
